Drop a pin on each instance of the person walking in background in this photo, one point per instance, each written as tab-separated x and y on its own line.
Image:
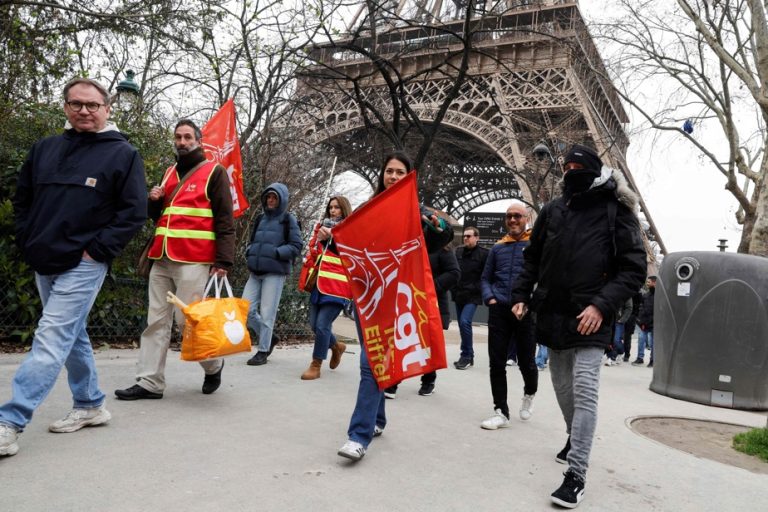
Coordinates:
369	416
629	325
445	275
645	322
194	239
331	291
585	259
505	262
275	243
616	349
542	357
466	294
80	198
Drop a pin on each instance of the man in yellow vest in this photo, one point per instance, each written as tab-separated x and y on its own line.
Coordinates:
194	238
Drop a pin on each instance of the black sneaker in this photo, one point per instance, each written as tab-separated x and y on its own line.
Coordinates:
562	455
212	382
427	389
637	362
259	359
464	363
136	392
390	392
650	364
571	492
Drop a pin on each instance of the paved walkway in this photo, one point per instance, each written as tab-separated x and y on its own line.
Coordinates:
267	441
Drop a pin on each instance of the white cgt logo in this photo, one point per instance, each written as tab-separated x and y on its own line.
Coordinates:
233	329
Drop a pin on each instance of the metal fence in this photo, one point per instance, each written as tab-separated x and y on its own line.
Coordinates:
120	311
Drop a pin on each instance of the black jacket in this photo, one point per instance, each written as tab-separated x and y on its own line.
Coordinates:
471	263
645	314
445	273
576	260
78	192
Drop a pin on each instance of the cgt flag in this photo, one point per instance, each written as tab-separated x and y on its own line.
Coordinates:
392	285
221	145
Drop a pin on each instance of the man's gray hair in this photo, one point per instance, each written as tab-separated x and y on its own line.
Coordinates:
88	81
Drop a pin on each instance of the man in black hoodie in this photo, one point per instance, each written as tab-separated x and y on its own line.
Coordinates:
586	258
79	200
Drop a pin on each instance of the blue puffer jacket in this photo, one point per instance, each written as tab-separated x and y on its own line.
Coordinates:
269	252
503	266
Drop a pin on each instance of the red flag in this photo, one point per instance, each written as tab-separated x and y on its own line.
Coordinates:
221	145
392	285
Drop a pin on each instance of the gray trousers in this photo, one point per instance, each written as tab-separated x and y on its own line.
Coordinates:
576	379
187	282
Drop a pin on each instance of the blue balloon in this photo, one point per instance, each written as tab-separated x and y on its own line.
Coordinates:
688	126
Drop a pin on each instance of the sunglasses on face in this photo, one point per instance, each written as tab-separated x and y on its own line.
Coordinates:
516	216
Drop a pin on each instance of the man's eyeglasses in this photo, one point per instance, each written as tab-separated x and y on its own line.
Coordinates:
516	216
77	106
468	236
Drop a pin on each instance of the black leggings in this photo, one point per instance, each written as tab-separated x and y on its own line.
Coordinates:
504	329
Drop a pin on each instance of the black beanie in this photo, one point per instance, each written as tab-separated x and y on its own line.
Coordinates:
585	156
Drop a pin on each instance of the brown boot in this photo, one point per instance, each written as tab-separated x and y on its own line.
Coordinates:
313	372
337	350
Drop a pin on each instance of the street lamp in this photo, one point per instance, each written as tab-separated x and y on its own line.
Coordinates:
128	93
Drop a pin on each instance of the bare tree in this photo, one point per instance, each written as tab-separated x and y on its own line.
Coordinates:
715	52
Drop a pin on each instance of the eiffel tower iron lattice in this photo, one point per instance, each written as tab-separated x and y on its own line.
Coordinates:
533	83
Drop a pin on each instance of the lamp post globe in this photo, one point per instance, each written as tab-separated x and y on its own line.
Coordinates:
128	92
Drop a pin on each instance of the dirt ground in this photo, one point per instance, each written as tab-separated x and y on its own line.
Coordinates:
706	439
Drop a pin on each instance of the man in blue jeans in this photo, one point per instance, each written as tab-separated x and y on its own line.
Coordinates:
466	294
585	259
275	243
80	198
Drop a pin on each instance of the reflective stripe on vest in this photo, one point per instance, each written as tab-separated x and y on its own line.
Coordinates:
332	278
185	231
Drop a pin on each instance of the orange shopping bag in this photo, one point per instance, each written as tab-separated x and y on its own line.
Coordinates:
216	326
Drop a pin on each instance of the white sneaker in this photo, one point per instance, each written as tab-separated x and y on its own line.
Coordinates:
8	437
526	408
608	362
352	450
511	362
498	420
377	431
79	418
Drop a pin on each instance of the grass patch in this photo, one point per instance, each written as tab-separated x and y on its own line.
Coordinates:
754	442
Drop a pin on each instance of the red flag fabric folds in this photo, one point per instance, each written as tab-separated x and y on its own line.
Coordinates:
221	145
383	249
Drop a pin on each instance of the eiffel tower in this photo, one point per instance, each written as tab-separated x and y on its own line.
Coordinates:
535	85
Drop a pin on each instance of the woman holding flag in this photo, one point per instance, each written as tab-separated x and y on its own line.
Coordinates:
369	418
332	291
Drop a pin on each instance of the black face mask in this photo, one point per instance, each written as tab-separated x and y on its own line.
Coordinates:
579	180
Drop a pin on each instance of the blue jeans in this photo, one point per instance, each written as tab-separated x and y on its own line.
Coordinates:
575	376
542	357
369	408
321	317
617	346
465	313
264	294
60	340
643	338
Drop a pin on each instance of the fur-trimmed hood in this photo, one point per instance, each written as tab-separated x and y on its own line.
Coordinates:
612	179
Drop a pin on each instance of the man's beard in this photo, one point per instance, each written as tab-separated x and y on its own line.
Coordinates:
181	151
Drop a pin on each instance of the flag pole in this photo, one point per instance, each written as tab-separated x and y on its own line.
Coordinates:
327	190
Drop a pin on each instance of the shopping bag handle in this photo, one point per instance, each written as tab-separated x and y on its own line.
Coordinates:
218	283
